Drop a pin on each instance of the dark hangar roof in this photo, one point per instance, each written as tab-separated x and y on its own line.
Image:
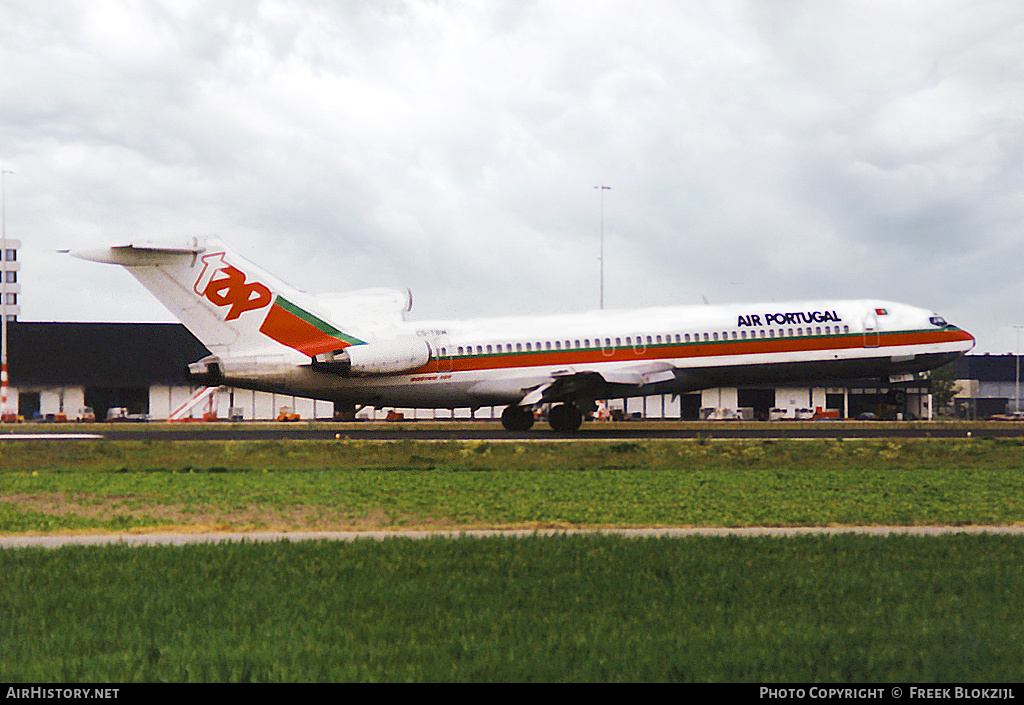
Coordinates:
100	354
987	368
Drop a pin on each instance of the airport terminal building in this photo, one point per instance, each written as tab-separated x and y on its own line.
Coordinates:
59	369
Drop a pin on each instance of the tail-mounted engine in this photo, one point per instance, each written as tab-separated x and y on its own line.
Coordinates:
381	358
271	372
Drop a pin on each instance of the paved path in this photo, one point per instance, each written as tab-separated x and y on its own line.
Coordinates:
177	539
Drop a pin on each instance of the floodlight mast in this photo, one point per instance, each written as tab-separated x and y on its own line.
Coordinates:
602	189
1016	394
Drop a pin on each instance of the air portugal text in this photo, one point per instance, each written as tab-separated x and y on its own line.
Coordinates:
790	319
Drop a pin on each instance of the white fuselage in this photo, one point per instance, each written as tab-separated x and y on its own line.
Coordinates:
641	352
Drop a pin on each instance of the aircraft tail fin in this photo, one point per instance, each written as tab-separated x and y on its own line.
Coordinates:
227	302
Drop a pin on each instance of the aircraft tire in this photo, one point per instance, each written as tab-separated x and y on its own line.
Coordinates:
517	418
565	418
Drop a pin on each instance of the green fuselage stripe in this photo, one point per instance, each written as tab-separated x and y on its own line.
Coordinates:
320	325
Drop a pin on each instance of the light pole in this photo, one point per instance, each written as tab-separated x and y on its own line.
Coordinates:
3	305
601	190
1016	395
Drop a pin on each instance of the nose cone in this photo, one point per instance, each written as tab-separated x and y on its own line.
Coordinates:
964	340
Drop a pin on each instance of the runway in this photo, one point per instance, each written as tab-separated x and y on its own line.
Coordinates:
492	431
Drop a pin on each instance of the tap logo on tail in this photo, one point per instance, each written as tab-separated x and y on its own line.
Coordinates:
231	289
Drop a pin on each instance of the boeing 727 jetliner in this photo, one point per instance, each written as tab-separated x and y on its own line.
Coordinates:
356	348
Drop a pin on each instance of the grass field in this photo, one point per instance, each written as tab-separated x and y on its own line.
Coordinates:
810	609
114	486
568	608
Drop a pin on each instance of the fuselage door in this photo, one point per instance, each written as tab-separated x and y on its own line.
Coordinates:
441	351
871	330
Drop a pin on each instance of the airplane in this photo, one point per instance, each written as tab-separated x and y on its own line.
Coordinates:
357	348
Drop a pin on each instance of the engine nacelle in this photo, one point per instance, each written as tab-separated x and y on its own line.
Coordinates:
386	358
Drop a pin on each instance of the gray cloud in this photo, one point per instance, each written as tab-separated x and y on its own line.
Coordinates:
755	151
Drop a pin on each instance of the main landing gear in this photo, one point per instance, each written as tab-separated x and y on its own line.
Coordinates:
517	418
564	418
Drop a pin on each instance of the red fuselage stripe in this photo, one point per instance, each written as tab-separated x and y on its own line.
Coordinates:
701	349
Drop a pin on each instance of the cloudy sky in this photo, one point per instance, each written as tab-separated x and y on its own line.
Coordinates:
755	150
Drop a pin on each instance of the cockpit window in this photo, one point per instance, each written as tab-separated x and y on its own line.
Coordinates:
938	321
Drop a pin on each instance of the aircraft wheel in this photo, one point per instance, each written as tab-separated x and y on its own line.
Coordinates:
565	418
517	418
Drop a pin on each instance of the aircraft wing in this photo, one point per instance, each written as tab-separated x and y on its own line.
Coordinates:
571	384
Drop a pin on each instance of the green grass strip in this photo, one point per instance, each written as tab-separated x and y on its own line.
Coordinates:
302	485
809	609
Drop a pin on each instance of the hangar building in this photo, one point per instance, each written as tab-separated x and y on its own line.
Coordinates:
60	368
988	385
